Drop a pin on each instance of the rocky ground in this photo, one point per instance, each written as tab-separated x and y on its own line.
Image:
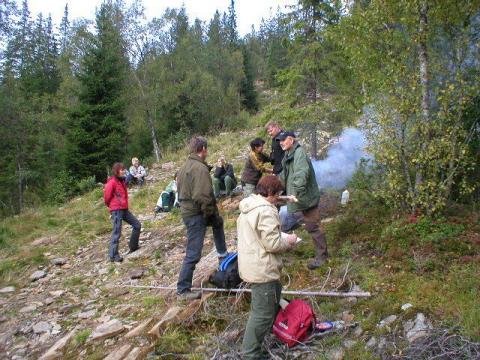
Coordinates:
74	305
80	306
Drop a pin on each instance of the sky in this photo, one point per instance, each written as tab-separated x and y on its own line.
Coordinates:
248	11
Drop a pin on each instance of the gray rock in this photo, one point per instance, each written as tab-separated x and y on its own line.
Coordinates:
56	351
406	306
416	329
336	354
57	293
7	290
59	261
387	321
358	331
108	329
41	327
348	344
136	273
382	343
37	275
28	308
371	343
119	354
87	314
49	301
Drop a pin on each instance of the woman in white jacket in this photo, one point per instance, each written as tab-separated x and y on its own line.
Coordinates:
259	243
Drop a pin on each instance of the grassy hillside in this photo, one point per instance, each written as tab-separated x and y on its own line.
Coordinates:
432	264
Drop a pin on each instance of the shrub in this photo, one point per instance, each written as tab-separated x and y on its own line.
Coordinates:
60	188
85	185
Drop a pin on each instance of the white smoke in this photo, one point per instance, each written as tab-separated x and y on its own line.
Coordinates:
342	158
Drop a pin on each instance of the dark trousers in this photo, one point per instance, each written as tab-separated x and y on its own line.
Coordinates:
196	228
117	217
263	310
311	218
130	178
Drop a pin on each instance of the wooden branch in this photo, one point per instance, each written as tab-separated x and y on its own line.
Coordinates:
287	292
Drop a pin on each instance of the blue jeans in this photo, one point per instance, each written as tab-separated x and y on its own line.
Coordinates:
196	228
117	217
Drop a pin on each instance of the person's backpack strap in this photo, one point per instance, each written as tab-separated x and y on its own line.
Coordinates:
231	257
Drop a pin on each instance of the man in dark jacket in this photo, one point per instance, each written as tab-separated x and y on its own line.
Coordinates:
299	179
223	178
256	165
276	156
199	210
115	196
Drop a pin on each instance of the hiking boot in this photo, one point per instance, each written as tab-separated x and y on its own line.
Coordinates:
189	295
316	263
117	259
157	209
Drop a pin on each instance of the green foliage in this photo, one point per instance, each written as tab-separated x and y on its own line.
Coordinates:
60	188
6	235
82	336
414	121
86	185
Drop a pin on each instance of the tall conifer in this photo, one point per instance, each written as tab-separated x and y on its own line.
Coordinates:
97	134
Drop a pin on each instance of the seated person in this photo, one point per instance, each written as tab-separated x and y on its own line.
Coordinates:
168	198
136	172
256	165
223	178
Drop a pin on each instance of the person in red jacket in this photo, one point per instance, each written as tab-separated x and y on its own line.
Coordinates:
115	196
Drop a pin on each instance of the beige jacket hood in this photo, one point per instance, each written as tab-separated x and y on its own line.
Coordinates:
259	241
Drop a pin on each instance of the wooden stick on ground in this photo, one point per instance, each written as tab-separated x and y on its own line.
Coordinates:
287	292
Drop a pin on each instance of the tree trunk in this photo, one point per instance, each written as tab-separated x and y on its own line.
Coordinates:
20	187
424	83
156	148
423	60
313	139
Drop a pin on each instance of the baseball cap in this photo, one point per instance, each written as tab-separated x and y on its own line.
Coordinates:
284	134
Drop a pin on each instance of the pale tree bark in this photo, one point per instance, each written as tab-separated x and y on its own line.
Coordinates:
424	81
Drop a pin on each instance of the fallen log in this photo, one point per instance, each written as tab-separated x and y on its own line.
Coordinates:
244	290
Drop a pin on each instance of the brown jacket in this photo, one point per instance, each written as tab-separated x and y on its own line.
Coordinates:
195	191
256	165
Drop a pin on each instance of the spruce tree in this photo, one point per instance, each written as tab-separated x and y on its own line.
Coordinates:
247	87
97	131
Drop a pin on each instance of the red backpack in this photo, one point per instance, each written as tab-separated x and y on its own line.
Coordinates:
294	323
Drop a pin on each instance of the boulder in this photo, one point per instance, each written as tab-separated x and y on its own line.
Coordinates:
55	352
7	290
57	293
417	328
119	354
336	354
86	314
387	321
37	275
58	261
108	329
136	273
371	343
41	327
140	329
28	308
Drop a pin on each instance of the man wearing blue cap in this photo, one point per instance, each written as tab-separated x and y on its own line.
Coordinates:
299	179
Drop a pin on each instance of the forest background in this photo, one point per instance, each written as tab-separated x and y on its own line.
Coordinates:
79	95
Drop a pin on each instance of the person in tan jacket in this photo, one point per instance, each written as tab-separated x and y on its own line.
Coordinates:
260	243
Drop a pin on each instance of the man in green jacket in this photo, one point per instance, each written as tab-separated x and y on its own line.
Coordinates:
199	210
299	179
